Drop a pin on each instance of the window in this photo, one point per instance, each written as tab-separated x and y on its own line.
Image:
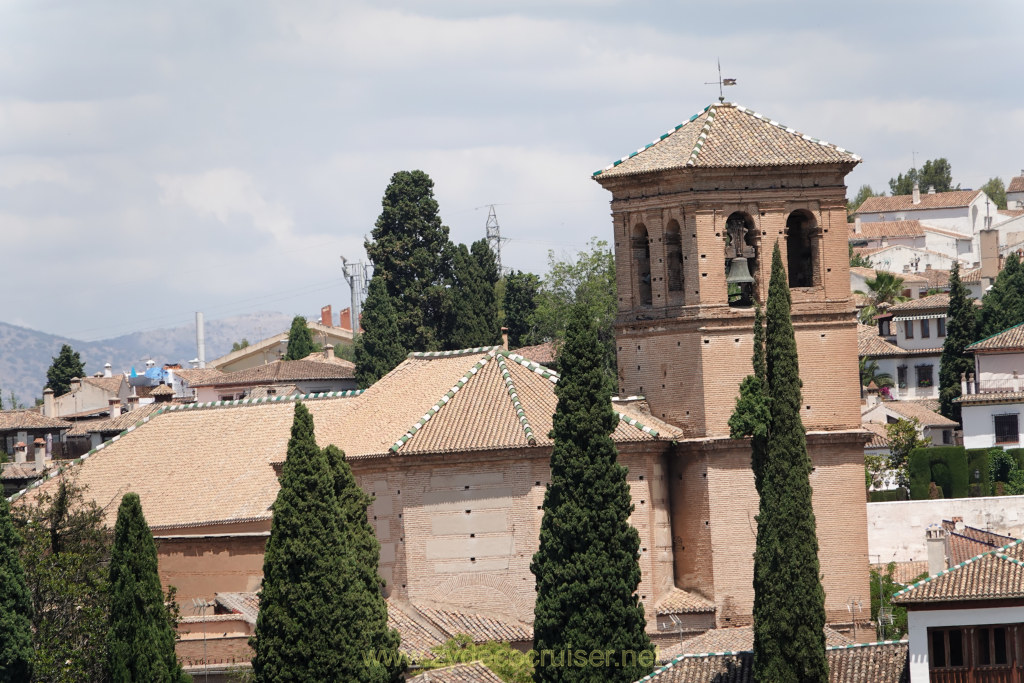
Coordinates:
801	233
908	329
924	375
947	437
674	257
990	646
940	327
901	376
925	329
642	258
1006	428
883	327
947	648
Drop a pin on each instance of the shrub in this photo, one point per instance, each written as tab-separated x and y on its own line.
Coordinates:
920	474
1002	465
888	496
979	460
944	465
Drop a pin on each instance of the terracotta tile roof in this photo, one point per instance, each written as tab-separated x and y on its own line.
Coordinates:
966	542
993	398
994	575
538	353
116	424
1011	339
905	202
474	672
728	135
884	662
12	471
913	409
931	404
1012	213
246	604
477	626
883	229
162	390
937	278
872	345
933	302
193	376
111	385
430	403
904	572
418	637
281	371
737	639
319	357
29	419
879	436
1017	184
970	277
274	390
679	601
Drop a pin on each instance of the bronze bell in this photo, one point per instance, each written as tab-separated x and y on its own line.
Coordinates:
739	273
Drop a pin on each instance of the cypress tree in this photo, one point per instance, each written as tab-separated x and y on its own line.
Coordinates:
378	348
1003	306
300	340
961	331
366	610
586	567
471	307
15	605
789	601
751	416
300	631
521	292
410	246
140	640
66	366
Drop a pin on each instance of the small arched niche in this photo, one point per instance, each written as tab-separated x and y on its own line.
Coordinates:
741	245
642	263
802	249
674	256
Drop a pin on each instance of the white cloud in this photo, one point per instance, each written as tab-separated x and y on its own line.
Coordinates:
17	171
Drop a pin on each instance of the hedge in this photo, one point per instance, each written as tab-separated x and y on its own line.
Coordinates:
1018	453
888	496
945	465
979	460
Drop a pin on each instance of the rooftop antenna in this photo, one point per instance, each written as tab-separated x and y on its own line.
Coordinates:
494	238
721	82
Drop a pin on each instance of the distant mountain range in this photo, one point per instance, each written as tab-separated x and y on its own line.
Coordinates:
26	354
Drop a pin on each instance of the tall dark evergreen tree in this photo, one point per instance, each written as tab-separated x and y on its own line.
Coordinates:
789	601
521	291
961	332
410	246
300	340
301	631
1003	306
378	348
15	605
471	307
140	639
752	414
366	611
586	567
66	366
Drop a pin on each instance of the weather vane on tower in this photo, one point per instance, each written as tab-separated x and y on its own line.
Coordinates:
721	82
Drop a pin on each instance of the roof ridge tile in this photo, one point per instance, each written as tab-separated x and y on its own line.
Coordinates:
516	404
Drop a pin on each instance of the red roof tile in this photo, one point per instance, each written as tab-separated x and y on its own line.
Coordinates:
905	202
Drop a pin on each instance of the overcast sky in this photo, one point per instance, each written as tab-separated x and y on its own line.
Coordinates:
158	159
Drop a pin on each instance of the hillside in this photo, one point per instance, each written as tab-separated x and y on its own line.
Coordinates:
26	354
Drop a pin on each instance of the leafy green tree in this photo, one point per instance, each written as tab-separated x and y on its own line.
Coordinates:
521	294
884	288
883	587
859	261
239	345
141	634
789	613
410	247
961	331
66	366
903	437
511	665
471	308
300	340
588	280
863	193
1003	306
935	173
378	348
869	372
66	551
586	567
996	191
366	612
15	604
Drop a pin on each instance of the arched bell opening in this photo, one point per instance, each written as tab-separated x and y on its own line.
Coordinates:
802	249
741	245
642	260
674	257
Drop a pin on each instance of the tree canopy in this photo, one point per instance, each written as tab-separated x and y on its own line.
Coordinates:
378	348
935	173
300	340
471	309
1002	307
586	568
521	294
884	288
66	366
863	193
15	605
996	191
961	332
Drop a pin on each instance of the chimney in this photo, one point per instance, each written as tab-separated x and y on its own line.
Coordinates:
115	407
345	318
931	189
856	225
917	193
40	445
989	243
20	450
329	352
75	384
504	338
327	316
200	340
927	267
935	537
107	370
48	404
133	400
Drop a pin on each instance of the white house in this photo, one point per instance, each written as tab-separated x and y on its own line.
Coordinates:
993	398
900	259
1015	193
931	424
963	211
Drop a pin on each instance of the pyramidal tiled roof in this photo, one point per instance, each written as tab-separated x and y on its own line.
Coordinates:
996	574
459	401
726	135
